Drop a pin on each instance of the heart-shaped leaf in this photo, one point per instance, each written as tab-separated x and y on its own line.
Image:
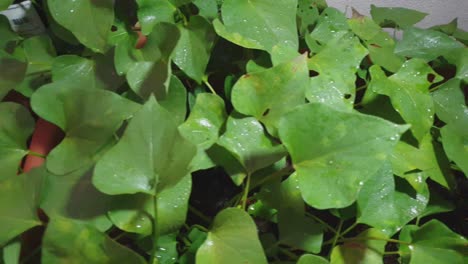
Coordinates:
338	153
89	21
380	205
232	239
72	241
336	65
89	118
16	126
268	94
194	47
259	24
151	155
408	90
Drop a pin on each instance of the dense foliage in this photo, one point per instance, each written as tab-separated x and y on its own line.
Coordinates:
235	131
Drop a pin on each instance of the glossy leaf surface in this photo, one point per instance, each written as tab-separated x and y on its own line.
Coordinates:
347	149
259	24
360	251
396	16
16	126
232	239
89	21
268	94
150	156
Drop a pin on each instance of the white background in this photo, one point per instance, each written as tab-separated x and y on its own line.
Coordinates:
440	11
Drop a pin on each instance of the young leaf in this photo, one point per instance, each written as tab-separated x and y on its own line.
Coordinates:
18	203
362	251
134	213
232	239
245	138
89	21
456	146
268	94
426	44
151	12
203	127
89	118
396	16
151	155
95	73
71	196
259	24
336	65
39	52
407	158
408	90
16	126
194	47
381	206
435	243
73	241
150	72
12	72
347	149
207	8
295	229
312	259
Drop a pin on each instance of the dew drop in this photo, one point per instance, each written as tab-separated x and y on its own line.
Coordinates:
72	10
330	162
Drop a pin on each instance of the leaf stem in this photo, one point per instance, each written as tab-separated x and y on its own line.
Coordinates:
374	238
288	253
36	154
337	235
393	253
329	227
347	230
246	192
284	171
205	81
155	231
202	228
200	215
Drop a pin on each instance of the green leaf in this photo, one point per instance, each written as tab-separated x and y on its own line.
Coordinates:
203	127
175	100
336	65
435	243
18	203
151	12
259	24
426	44
245	138
381	206
331	24
95	73
71	196
407	158
456	146
449	104
39	52
73	241
347	149
12	72
16	126
232	239
89	118
437	204
312	259
11	252
408	90
149	73
151	155
365	251
295	229
268	94
4	4
379	43
89	21
194	47
207	8
396	16
134	213
8	35
308	14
